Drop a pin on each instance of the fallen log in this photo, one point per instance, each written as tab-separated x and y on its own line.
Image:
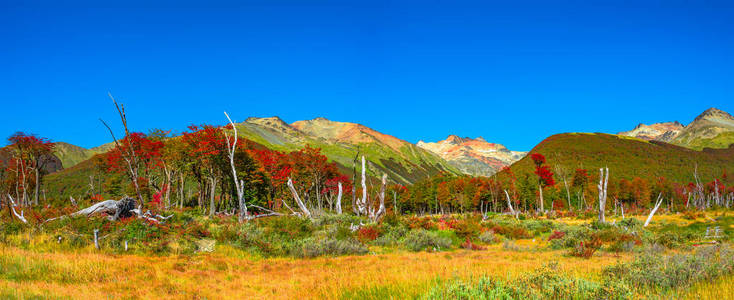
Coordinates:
114	210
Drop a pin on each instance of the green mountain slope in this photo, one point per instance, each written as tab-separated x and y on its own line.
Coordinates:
72	155
628	157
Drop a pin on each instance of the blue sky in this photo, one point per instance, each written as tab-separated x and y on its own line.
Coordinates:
513	72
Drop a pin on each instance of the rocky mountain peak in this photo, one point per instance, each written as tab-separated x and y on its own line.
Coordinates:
453	139
473	156
713	114
275	123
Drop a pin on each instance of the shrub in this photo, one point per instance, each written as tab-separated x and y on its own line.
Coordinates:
543	283
671	240
340	219
587	248
288	226
368	233
630	223
468	245
488	237
572	237
420	239
467	228
391	236
420	222
654	270
556	235
513	232
312	247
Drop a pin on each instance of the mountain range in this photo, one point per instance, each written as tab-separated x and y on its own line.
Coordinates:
473	156
713	128
406	163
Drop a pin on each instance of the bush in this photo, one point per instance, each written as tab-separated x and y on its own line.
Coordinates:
513	232
312	247
653	270
391	236
368	233
572	237
488	237
288	227
556	235
468	245
543	283
421	239
671	240
587	248
630	223
340	219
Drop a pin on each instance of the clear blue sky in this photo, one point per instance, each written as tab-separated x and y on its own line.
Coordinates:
512	73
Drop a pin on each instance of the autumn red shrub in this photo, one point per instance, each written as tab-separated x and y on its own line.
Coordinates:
556	235
512	232
420	223
367	233
588	247
468	245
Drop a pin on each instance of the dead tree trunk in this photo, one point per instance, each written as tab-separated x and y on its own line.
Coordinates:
654	209
12	207
212	206
339	200
540	190
381	209
239	184
300	203
37	185
603	179
128	153
362	202
509	204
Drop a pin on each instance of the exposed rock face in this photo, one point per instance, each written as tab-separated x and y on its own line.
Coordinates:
659	131
473	156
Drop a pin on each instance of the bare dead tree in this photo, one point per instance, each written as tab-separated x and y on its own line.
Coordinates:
300	203
354	186
362	202
339	200
238	183
562	172
654	209
128	153
12	207
509	204
377	213
603	179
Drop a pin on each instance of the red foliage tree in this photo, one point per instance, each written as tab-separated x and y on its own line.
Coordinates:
30	154
545	176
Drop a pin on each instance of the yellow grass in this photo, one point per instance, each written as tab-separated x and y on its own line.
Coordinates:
231	273
720	289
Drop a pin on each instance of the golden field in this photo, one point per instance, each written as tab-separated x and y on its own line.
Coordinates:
231	273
